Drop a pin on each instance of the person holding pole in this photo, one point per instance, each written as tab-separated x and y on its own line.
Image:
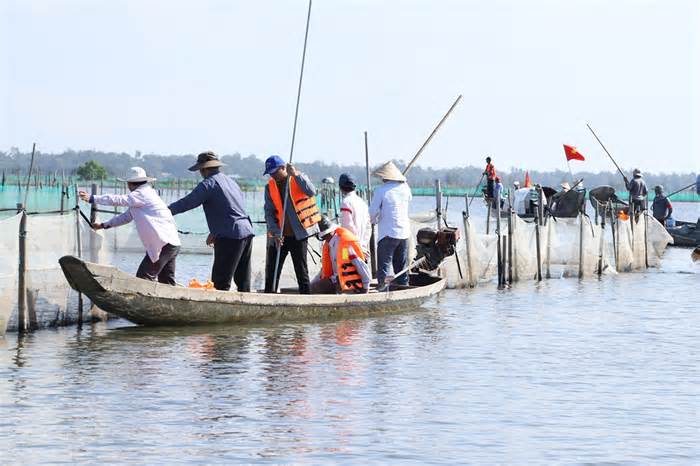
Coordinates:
154	224
300	222
354	213
230	229
389	210
638	191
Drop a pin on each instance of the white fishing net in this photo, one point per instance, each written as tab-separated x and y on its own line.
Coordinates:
9	248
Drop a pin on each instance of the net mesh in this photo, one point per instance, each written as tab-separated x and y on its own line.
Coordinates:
9	247
568	247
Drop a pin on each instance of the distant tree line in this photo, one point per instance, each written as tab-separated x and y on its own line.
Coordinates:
251	168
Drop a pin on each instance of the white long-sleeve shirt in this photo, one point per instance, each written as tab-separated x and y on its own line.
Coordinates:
389	210
354	216
152	218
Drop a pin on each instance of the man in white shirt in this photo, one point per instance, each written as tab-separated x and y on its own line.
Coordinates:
154	224
389	210
354	213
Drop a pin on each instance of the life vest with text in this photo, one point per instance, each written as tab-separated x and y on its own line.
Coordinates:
348	249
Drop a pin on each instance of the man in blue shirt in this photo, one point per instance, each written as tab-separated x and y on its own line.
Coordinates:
230	228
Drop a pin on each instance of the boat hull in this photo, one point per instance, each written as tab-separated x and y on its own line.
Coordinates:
150	303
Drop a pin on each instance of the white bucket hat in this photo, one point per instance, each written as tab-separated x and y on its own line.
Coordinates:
389	172
565	186
137	175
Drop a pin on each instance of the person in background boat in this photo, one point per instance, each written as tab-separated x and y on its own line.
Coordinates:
230	229
499	191
343	264
638	191
661	207
389	210
300	222
354	213
154	224
490	174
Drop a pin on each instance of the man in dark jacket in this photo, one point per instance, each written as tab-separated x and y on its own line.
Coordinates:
230	229
299	223
638	191
661	208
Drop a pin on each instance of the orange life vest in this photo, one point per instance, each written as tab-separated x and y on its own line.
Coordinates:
304	205
348	276
490	171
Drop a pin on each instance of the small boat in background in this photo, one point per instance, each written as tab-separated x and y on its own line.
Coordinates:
685	234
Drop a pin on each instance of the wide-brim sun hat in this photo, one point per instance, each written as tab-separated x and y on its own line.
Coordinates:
389	172
636	172
137	175
206	160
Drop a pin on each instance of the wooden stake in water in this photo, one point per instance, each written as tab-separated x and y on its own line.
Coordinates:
580	245
21	279
498	239
537	245
29	176
80	254
373	237
467	246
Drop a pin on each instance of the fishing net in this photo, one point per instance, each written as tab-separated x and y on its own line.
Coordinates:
9	245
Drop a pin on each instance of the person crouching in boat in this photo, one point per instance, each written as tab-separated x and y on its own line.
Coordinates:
343	265
230	229
354	213
154	224
389	210
301	218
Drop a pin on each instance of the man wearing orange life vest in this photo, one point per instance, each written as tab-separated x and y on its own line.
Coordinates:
343	266
490	173
301	219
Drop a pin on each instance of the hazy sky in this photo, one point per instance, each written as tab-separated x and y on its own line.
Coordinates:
169	76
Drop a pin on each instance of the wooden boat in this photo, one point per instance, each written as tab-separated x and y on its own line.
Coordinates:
150	303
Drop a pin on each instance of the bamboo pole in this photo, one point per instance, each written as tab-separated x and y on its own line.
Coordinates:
373	236
580	245
29	176
21	279
79	250
498	239
437	127
538	250
510	244
467	246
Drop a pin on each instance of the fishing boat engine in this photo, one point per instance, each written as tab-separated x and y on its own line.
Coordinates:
433	246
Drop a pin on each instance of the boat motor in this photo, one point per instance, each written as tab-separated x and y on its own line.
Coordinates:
433	246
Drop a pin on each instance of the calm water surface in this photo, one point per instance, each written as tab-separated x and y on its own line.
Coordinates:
565	371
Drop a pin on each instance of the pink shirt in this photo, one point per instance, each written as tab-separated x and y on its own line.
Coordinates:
152	218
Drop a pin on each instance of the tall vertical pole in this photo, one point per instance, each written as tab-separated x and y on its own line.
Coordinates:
467	247
79	250
21	282
510	241
438	204
372	238
537	246
29	176
497	199
580	245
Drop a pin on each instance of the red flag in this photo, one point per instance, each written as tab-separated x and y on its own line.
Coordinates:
572	153
528	183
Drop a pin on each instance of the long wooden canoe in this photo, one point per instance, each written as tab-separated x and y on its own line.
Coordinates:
150	303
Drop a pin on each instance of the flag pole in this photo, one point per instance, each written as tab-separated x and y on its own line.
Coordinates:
568	164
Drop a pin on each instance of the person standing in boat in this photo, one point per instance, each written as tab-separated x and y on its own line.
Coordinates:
230	229
490	174
661	207
354	213
638	191
344	266
389	210
154	224
301	221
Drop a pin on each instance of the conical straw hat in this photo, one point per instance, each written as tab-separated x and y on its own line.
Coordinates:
389	172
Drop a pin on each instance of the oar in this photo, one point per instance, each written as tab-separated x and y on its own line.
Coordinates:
420	151
609	155
275	283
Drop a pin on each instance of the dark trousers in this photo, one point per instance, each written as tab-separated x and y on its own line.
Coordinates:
298	250
232	260
392	256
163	270
490	188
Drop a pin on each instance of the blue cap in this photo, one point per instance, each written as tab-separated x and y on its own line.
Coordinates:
272	163
346	181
